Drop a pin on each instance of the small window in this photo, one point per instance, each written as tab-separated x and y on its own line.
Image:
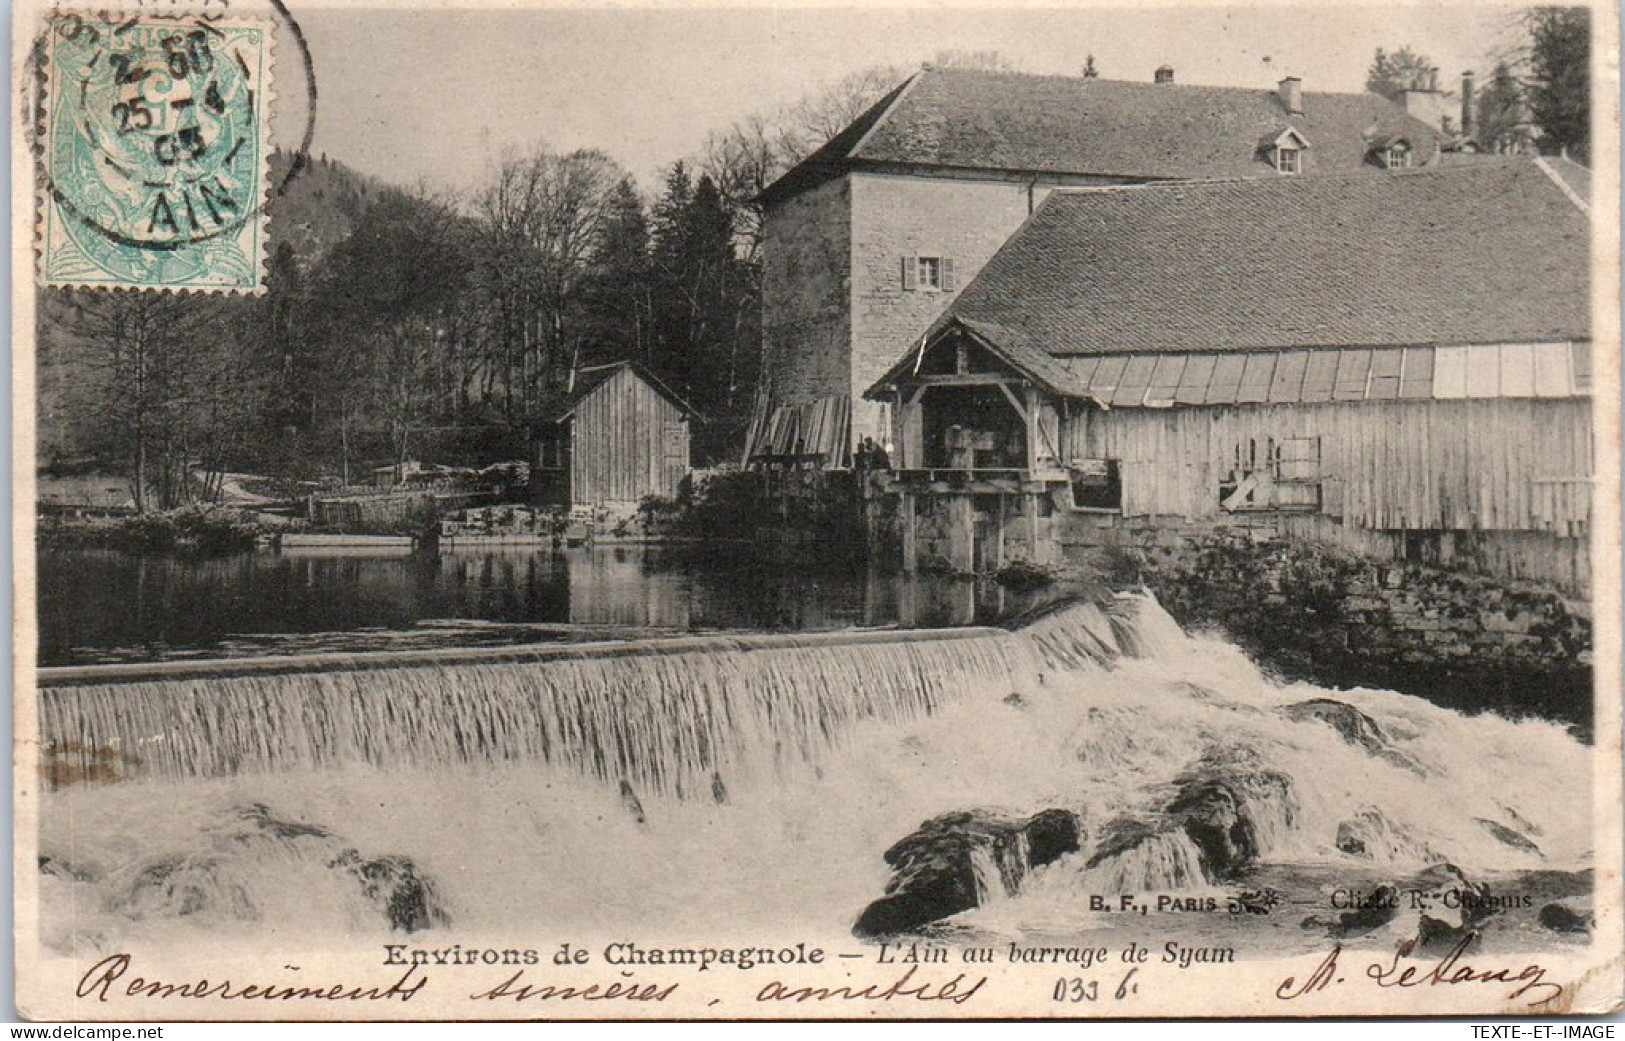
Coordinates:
930	274
1267	474
1287	160
1097	484
1398	157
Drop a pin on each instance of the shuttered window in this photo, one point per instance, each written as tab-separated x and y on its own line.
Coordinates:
931	274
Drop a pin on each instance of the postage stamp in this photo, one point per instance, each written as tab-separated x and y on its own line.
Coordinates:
154	151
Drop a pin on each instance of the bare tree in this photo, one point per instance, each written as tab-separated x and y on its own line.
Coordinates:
151	382
541	215
978	61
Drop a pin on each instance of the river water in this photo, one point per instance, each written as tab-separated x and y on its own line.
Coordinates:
107	606
719	785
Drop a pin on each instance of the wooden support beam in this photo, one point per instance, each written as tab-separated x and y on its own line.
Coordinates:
1015	402
967	379
1032	428
998	534
961	533
1031	503
911	550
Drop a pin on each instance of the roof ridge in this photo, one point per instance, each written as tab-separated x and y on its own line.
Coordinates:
897	95
1563	186
1437	169
1102	80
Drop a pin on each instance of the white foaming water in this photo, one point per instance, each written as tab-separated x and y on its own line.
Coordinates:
769	781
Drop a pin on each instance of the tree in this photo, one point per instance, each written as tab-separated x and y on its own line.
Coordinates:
820	116
980	61
389	297
707	335
1500	115
541	217
1405	69
1559	90
164	380
618	289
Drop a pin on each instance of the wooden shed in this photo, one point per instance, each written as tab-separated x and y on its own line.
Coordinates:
1401	366
622	435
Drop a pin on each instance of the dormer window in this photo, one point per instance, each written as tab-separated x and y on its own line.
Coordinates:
1391	153
1284	151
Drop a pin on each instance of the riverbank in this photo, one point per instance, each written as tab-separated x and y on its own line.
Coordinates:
1310	612
206	530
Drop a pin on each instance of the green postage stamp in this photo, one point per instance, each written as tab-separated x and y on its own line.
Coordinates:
152	146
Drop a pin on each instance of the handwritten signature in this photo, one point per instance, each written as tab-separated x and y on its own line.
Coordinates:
1529	981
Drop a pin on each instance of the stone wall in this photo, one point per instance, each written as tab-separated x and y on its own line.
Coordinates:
806	325
1313	612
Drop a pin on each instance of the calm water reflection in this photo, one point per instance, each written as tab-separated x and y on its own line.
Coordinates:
102	605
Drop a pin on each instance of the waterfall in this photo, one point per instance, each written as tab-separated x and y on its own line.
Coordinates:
694	781
673	717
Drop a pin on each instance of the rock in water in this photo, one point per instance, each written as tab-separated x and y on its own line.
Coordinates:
1507	837
1370	835
934	869
221	877
1224	805
1354	726
406	898
1560	918
1444	926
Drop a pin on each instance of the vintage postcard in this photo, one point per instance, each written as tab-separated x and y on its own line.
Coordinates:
541	511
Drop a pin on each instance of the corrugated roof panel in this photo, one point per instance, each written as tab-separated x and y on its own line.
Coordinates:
1165	380
1082	370
1107	377
1226	379
1194	381
1136	380
1553	378
1385	369
1450	373
1287	386
1353	368
1320	377
1483	372
1581	354
1256	378
1416	379
1517	370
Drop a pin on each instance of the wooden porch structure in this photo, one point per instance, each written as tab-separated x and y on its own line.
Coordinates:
969	431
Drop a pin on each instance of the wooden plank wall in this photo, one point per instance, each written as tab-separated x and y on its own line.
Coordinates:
618	452
1507	465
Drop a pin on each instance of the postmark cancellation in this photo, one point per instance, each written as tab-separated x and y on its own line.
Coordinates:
152	140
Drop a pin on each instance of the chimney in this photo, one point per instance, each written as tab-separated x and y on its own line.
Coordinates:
1165	74
1292	95
1433	79
1467	104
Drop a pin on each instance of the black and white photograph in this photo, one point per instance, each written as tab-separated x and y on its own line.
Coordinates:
773	512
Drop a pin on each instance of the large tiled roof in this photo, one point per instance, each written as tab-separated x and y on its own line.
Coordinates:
954	118
1488	253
